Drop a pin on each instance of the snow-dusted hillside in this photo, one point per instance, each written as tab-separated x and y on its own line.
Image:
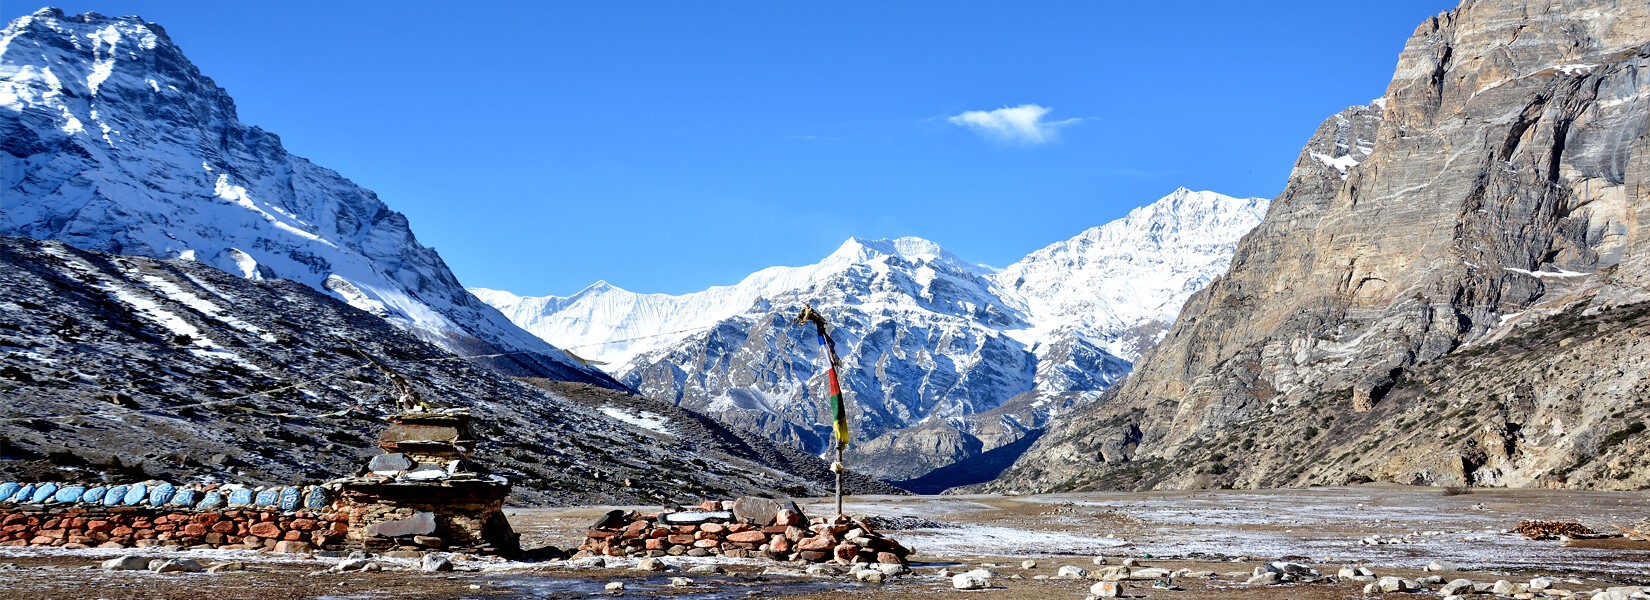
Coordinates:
113	141
924	335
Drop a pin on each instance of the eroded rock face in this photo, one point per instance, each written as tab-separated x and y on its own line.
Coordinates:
1500	180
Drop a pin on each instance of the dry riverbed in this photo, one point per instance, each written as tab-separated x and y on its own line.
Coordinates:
1391	530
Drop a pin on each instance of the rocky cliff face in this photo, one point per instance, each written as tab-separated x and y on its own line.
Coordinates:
942	359
111	140
125	368
1496	192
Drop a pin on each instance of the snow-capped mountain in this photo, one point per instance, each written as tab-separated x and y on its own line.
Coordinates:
113	141
924	335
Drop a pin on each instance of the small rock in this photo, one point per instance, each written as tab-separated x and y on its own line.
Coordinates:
1430	580
176	565
830	571
372	567
1393	584
435	563
1502	588
650	564
681	582
1267	578
1030	564
1106	589
226	567
1456	587
704	569
350	564
977	579
590	562
428	541
1346	573
1072	572
1099	560
869	576
126	563
1540	584
615	586
1130	562
892	569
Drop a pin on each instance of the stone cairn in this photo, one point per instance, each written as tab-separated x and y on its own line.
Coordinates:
745	528
421	494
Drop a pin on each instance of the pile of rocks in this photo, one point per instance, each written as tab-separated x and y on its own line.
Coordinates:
749	527
130	526
1552	530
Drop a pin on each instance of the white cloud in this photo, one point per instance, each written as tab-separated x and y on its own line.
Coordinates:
1021	124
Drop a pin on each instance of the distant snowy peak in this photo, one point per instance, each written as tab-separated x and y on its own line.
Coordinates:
612	325
112	140
1132	272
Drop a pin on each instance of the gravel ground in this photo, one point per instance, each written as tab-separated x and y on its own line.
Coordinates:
1227	532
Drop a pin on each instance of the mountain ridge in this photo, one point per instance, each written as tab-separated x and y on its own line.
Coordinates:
924	334
114	141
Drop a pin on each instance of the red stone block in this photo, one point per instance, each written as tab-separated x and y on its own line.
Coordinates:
14	518
710	505
224	527
195	530
681	539
816	544
687	528
778	543
207	518
265	530
748	537
142	524
293	536
658	532
166	527
16	528
304	525
787	517
52	524
888	558
121	532
41	540
706	543
657	544
846	552
599	534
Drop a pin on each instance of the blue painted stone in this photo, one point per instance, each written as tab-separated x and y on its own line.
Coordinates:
212	500
23	494
69	494
268	497
318	499
240	497
290	497
135	495
8	489
43	492
114	495
185	497
94	495
161	494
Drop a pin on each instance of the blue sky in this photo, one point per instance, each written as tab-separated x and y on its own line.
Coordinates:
671	146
